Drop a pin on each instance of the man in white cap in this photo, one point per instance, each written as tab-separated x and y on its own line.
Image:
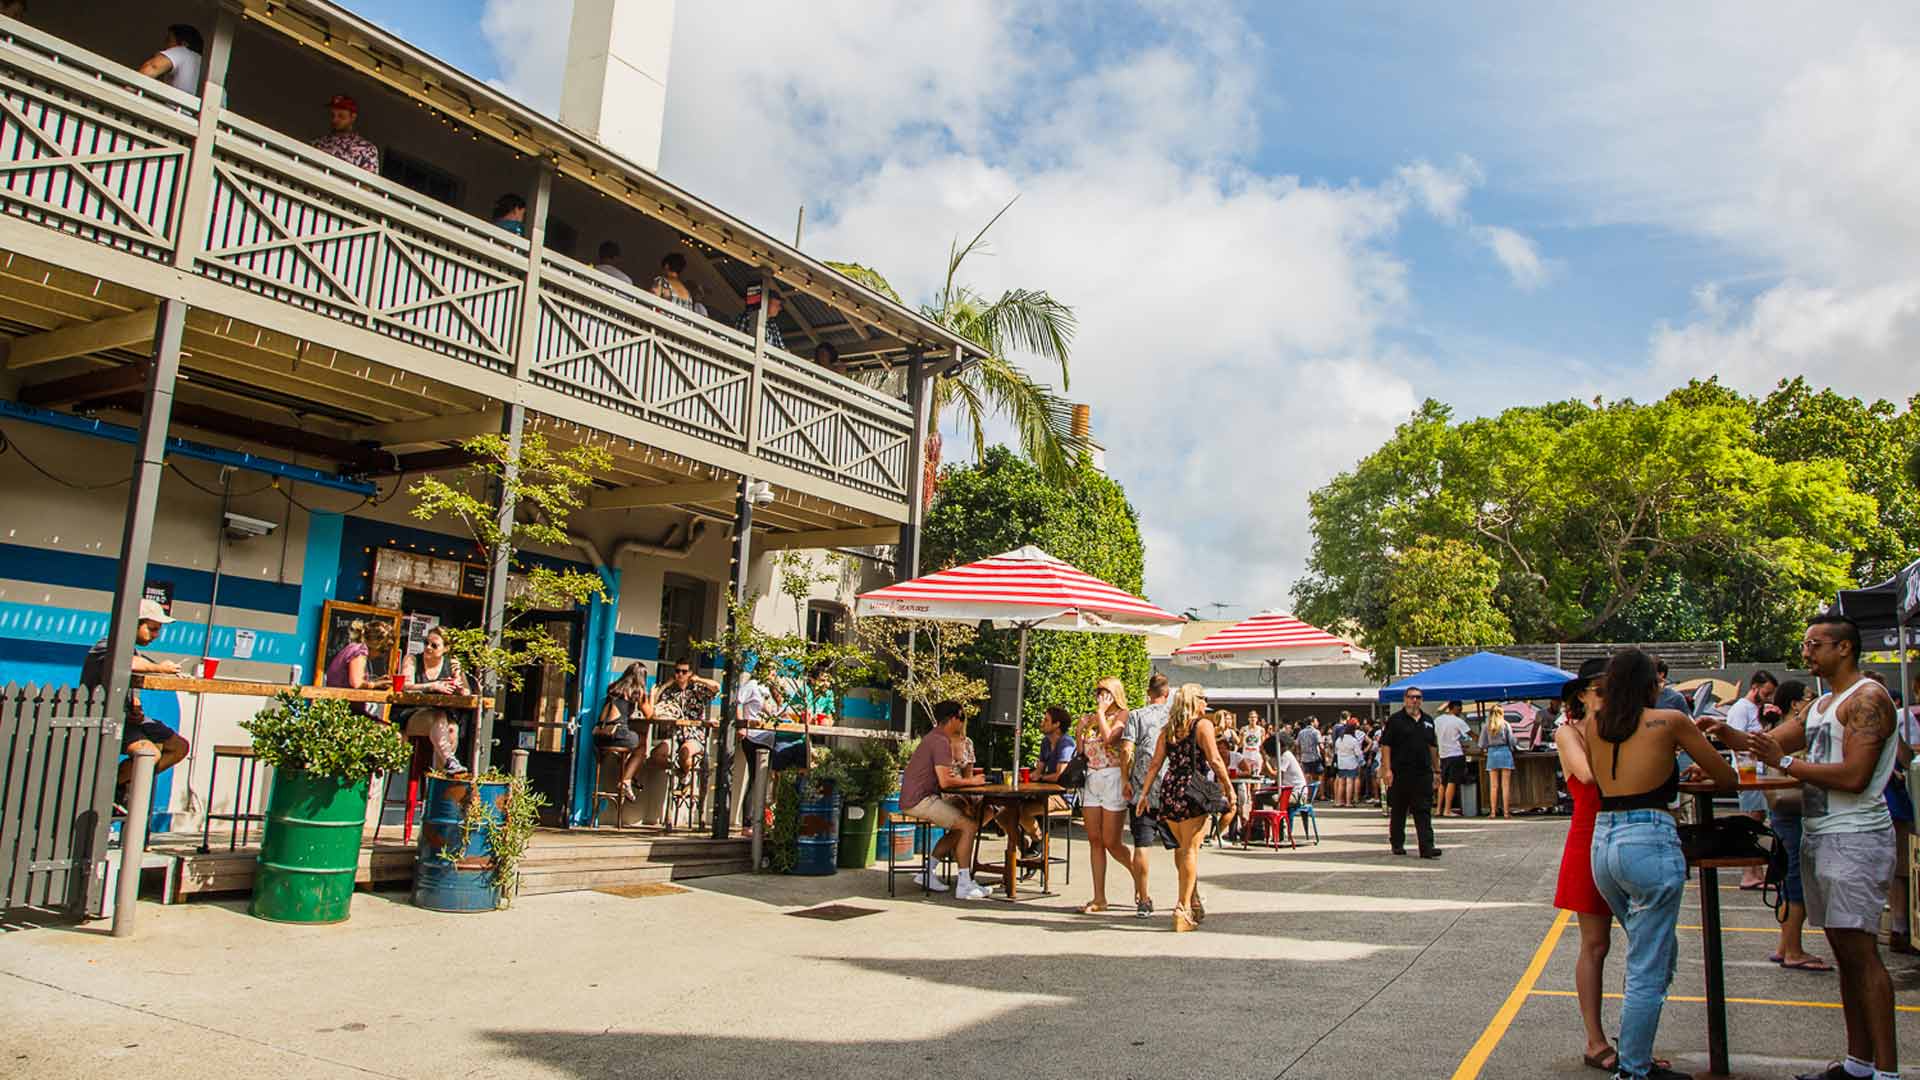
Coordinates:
139	731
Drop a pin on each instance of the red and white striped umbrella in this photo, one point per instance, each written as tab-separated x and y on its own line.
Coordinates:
1267	638
1027	588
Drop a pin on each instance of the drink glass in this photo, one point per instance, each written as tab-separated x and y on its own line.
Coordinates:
1746	767
399	682
1026	775
208	665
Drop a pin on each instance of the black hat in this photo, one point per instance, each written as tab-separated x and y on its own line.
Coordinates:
1590	669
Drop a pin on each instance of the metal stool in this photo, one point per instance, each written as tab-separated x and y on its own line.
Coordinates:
686	789
618	796
922	839
240	822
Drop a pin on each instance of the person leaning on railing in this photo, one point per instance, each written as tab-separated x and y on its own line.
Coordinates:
178	62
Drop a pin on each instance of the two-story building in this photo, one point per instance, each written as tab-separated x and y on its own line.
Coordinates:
228	352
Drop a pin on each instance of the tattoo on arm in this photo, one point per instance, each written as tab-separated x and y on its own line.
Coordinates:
1869	712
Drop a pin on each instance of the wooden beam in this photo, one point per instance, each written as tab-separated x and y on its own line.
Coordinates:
87	386
119	332
425	461
630	498
435	429
828	538
351	456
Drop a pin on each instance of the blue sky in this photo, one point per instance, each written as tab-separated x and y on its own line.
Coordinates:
1284	225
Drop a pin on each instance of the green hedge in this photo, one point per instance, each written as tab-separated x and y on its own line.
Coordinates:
1001	504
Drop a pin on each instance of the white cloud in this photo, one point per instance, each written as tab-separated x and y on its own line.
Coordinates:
1440	191
1517	254
529	38
1860	341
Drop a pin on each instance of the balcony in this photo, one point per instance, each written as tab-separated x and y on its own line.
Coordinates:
109	176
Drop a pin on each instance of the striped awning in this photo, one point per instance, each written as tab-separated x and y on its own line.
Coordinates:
1265	638
1027	587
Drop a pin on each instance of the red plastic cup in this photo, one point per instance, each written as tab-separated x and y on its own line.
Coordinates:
1026	775
399	682
208	665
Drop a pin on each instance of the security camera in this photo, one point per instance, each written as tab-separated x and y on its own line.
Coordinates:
759	493
242	527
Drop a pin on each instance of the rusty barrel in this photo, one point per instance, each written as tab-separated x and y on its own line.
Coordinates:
454	869
900	833
819	839
310	848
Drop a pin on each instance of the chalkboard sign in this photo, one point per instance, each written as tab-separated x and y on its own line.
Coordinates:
473	580
342	623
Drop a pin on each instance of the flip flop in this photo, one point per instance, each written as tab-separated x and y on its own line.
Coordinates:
1091	908
1811	963
1750	888
1776	958
1606	1062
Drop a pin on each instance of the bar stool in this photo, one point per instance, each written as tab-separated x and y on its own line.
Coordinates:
922	842
240	821
616	756
416	772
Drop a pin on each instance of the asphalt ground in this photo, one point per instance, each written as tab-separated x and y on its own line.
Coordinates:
1336	960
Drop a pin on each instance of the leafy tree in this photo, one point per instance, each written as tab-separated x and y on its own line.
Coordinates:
545	486
1020	320
1441	592
1004	502
1592	513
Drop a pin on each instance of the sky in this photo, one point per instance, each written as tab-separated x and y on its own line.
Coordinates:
1283	226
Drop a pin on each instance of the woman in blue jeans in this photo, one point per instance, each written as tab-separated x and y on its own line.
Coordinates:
1637	864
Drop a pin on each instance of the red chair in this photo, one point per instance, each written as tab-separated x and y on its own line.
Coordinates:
1274	819
416	772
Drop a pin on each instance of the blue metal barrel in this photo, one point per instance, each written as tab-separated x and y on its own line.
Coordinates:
819	840
466	882
900	833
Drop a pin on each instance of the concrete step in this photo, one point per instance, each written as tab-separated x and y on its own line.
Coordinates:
648	850
595	874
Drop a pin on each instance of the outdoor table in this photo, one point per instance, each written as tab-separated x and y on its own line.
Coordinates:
1014	795
1703	794
242	688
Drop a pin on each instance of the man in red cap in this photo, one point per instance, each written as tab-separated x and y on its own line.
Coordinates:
343	142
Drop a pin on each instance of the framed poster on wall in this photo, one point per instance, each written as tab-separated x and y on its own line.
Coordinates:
342	624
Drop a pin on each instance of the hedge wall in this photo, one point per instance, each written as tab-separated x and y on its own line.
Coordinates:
1001	503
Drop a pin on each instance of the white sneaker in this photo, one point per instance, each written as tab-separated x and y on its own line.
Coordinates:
967	889
930	880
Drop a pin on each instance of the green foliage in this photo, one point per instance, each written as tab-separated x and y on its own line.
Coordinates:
865	772
1026	321
924	661
1005	502
1440	592
1612	520
326	737
783	835
509	828
545	486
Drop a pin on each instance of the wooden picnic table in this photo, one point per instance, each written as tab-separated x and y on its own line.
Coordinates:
1015	794
1703	794
245	688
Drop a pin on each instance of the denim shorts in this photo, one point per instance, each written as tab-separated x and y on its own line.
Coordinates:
1787	828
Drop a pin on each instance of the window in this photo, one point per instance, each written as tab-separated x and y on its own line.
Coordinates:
410	172
683	604
826	622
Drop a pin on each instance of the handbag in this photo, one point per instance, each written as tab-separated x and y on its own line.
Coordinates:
1729	838
1202	791
1075	773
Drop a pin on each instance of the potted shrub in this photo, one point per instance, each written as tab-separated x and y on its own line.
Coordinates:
323	752
477	829
865	773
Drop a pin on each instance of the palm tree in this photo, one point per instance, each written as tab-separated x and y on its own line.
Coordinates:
1028	320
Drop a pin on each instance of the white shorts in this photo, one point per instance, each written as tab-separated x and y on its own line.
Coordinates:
1105	789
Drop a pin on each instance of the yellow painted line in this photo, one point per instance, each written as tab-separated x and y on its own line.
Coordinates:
1730	1001
1476	1058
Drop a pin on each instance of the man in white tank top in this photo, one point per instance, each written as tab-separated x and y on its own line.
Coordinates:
1846	851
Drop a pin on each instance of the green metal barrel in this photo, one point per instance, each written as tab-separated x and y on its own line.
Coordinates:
310	849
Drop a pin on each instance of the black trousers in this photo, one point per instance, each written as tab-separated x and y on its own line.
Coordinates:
1413	793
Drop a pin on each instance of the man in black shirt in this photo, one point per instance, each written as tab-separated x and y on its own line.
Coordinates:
1406	768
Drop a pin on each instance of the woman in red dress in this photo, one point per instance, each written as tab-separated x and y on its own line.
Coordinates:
1576	891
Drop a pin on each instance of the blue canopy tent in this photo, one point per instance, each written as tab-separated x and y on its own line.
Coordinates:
1484	676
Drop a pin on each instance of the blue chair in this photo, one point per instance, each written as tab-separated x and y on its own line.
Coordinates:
1304	810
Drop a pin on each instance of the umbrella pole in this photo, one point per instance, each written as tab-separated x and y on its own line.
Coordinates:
1019	702
1273	671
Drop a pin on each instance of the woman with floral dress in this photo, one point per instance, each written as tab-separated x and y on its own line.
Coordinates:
1187	750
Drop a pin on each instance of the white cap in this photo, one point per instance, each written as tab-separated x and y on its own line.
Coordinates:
151	611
